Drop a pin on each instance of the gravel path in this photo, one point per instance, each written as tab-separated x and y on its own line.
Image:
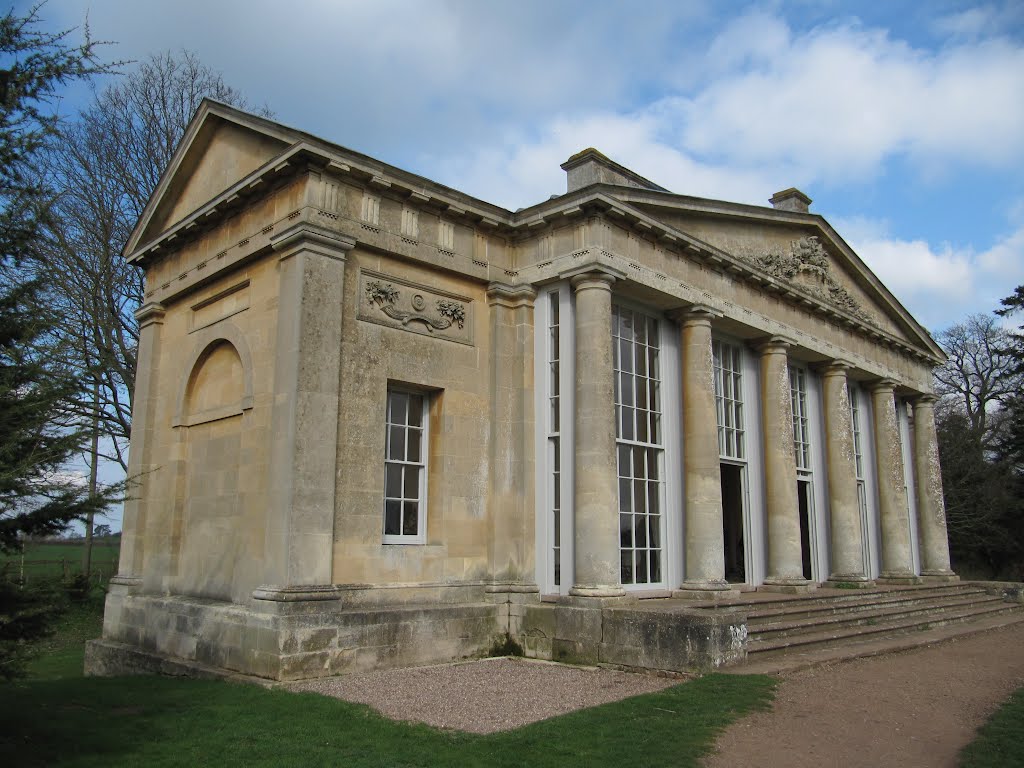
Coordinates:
485	696
918	708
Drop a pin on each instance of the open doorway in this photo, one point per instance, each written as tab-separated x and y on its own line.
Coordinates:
804	498
732	520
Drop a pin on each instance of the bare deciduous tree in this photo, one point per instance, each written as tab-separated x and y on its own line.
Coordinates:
102	172
980	373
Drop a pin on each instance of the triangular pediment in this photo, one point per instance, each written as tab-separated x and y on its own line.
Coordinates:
798	249
221	146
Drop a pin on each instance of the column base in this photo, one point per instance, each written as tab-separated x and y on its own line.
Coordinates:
848	581
713	595
598	590
126	583
708	585
788	586
939	576
899	579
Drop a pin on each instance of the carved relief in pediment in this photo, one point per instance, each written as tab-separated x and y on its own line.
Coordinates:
807	266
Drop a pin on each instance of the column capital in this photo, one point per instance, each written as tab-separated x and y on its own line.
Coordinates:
770	345
588	280
924	398
511	296
310	237
837	367
882	386
150	313
695	314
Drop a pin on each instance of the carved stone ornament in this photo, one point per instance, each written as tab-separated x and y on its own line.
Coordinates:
384	295
807	266
399	303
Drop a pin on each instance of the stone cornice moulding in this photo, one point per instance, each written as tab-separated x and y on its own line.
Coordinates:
309	152
293	160
306	236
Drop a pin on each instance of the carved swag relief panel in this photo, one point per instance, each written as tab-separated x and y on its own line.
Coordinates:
397	303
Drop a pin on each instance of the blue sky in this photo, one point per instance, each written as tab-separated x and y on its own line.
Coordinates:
904	121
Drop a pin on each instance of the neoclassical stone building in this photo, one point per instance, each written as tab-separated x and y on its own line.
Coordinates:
380	422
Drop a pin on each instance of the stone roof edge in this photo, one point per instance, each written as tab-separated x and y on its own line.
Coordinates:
345	160
746	211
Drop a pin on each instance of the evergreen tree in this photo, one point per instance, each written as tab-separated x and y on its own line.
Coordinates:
36	496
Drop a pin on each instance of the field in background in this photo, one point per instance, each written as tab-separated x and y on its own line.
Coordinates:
61	559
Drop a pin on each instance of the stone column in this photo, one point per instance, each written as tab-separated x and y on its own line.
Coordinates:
785	561
304	421
596	483
846	531
705	544
511	452
931	510
140	469
893	507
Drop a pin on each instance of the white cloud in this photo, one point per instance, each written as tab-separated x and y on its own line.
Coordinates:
522	171
989	19
840	101
938	283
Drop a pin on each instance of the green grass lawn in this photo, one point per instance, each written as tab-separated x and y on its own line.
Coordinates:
1000	742
58	717
43	560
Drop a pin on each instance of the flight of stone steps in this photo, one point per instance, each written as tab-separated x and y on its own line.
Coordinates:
786	627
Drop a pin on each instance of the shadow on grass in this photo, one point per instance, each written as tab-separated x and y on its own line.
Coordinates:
162	722
1000	742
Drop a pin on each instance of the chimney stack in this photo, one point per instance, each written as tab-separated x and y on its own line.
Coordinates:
791	199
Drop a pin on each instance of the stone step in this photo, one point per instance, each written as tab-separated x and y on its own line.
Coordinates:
805	657
810	615
765	648
867	616
762	608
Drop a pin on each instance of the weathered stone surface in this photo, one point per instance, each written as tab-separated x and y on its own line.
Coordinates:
291	282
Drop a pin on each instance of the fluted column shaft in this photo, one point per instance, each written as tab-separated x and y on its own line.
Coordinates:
893	507
847	561
596	485
705	545
785	561
931	510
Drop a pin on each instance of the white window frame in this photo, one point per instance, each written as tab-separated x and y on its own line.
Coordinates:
804	397
729	380
746	430
659	447
860	458
544	491
903	419
420	536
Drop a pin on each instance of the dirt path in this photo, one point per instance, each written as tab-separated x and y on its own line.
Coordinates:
917	708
